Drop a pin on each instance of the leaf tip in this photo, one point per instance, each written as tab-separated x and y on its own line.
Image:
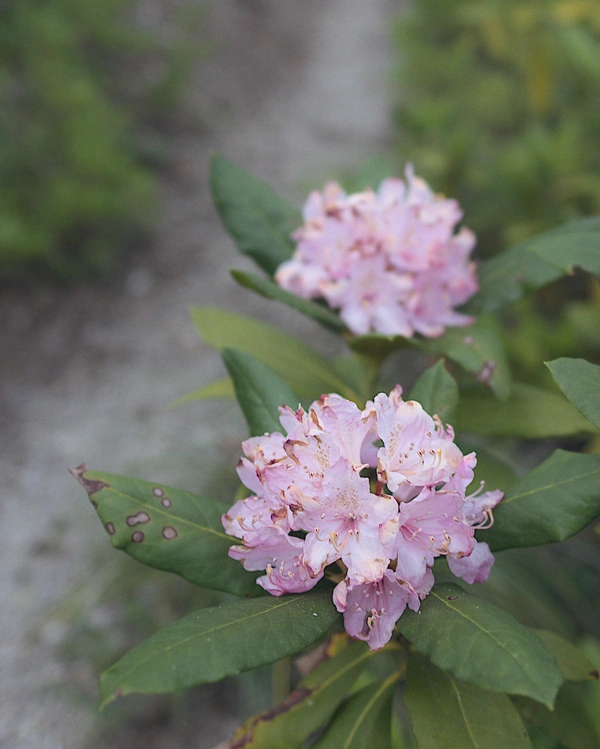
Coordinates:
92	486
115	694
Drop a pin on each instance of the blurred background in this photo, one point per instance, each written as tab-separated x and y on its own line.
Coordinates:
109	112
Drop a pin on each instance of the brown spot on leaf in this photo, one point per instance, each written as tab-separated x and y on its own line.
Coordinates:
110	527
169	533
594	674
452	598
92	486
140	517
158	492
166	502
137	537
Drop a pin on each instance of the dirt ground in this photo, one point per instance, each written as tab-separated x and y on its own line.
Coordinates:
294	92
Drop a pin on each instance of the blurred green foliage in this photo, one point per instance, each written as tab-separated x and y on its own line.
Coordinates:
500	108
83	89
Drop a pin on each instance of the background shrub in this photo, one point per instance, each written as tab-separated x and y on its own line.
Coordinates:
82	86
500	109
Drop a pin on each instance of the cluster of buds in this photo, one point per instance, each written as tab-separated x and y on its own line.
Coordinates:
389	261
367	498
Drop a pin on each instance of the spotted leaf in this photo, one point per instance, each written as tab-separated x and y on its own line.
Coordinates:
168	529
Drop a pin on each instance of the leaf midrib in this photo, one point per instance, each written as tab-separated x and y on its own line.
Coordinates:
577	478
462	710
204	633
365	711
485	632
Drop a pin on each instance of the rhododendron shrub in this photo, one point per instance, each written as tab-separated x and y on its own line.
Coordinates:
314	480
363	518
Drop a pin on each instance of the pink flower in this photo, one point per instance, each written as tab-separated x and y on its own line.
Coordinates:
416	451
344	523
390	261
371	610
314	511
285	570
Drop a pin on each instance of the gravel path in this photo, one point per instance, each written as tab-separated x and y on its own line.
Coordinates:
293	92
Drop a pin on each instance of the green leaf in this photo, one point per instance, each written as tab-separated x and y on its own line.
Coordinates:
552	503
507	277
308	373
580	382
573	663
354	370
478	350
259	221
481	644
536	262
220	641
270	290
530	413
446	712
168	529
310	705
218	389
436	390
259	391
496	471
568	723
567	250
364	721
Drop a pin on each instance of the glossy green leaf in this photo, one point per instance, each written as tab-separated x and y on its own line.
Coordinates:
168	529
573	663
436	390
307	372
481	644
568	250
259	221
530	412
270	290
476	349
214	390
552	503
447	713
580	382
220	641
364	721
508	276
568	723
309	706
259	391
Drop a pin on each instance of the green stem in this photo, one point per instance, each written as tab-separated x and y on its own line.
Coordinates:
281	680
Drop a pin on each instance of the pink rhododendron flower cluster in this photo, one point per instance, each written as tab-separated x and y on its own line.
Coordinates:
325	492
389	261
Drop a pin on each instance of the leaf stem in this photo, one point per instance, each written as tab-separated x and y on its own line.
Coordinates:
281	679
